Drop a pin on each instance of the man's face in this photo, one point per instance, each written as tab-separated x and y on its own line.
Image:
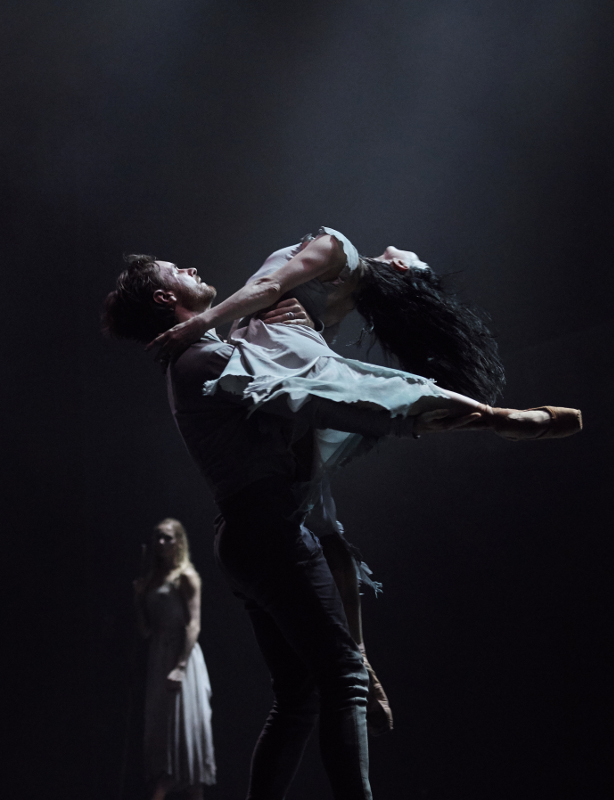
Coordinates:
191	292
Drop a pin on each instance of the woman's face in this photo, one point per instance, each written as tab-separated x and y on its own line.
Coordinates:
165	541
401	259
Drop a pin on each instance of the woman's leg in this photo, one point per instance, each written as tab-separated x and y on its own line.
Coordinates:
439	413
341	564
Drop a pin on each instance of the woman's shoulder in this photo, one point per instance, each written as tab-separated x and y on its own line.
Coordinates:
352	259
276	260
188	579
349	254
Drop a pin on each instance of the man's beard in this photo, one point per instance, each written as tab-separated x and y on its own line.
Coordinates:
198	297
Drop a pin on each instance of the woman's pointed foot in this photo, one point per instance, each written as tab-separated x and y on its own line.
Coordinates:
545	422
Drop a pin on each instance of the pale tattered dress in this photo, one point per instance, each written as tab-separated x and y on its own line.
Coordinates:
178	738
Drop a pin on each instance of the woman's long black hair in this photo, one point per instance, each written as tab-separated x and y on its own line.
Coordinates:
430	331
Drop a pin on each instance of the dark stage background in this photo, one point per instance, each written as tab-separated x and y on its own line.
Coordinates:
478	134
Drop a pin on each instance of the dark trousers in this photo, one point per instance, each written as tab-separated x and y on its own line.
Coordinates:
278	568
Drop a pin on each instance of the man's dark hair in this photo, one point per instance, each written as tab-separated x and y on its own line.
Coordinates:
130	311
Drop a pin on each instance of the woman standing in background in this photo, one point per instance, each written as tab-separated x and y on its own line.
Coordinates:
178	743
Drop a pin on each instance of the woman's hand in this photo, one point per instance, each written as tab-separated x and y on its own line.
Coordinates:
288	312
174	341
174	679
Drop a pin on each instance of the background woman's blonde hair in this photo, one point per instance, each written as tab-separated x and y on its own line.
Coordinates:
181	560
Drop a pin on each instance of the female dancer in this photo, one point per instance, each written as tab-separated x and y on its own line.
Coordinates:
178	741
408	309
405	306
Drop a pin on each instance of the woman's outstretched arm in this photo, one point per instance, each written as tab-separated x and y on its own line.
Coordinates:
322	258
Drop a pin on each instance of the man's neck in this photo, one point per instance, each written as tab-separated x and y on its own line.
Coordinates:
183	315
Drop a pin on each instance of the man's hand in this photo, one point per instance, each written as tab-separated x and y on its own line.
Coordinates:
288	312
175	340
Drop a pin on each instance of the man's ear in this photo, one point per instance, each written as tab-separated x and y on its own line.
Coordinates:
164	297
